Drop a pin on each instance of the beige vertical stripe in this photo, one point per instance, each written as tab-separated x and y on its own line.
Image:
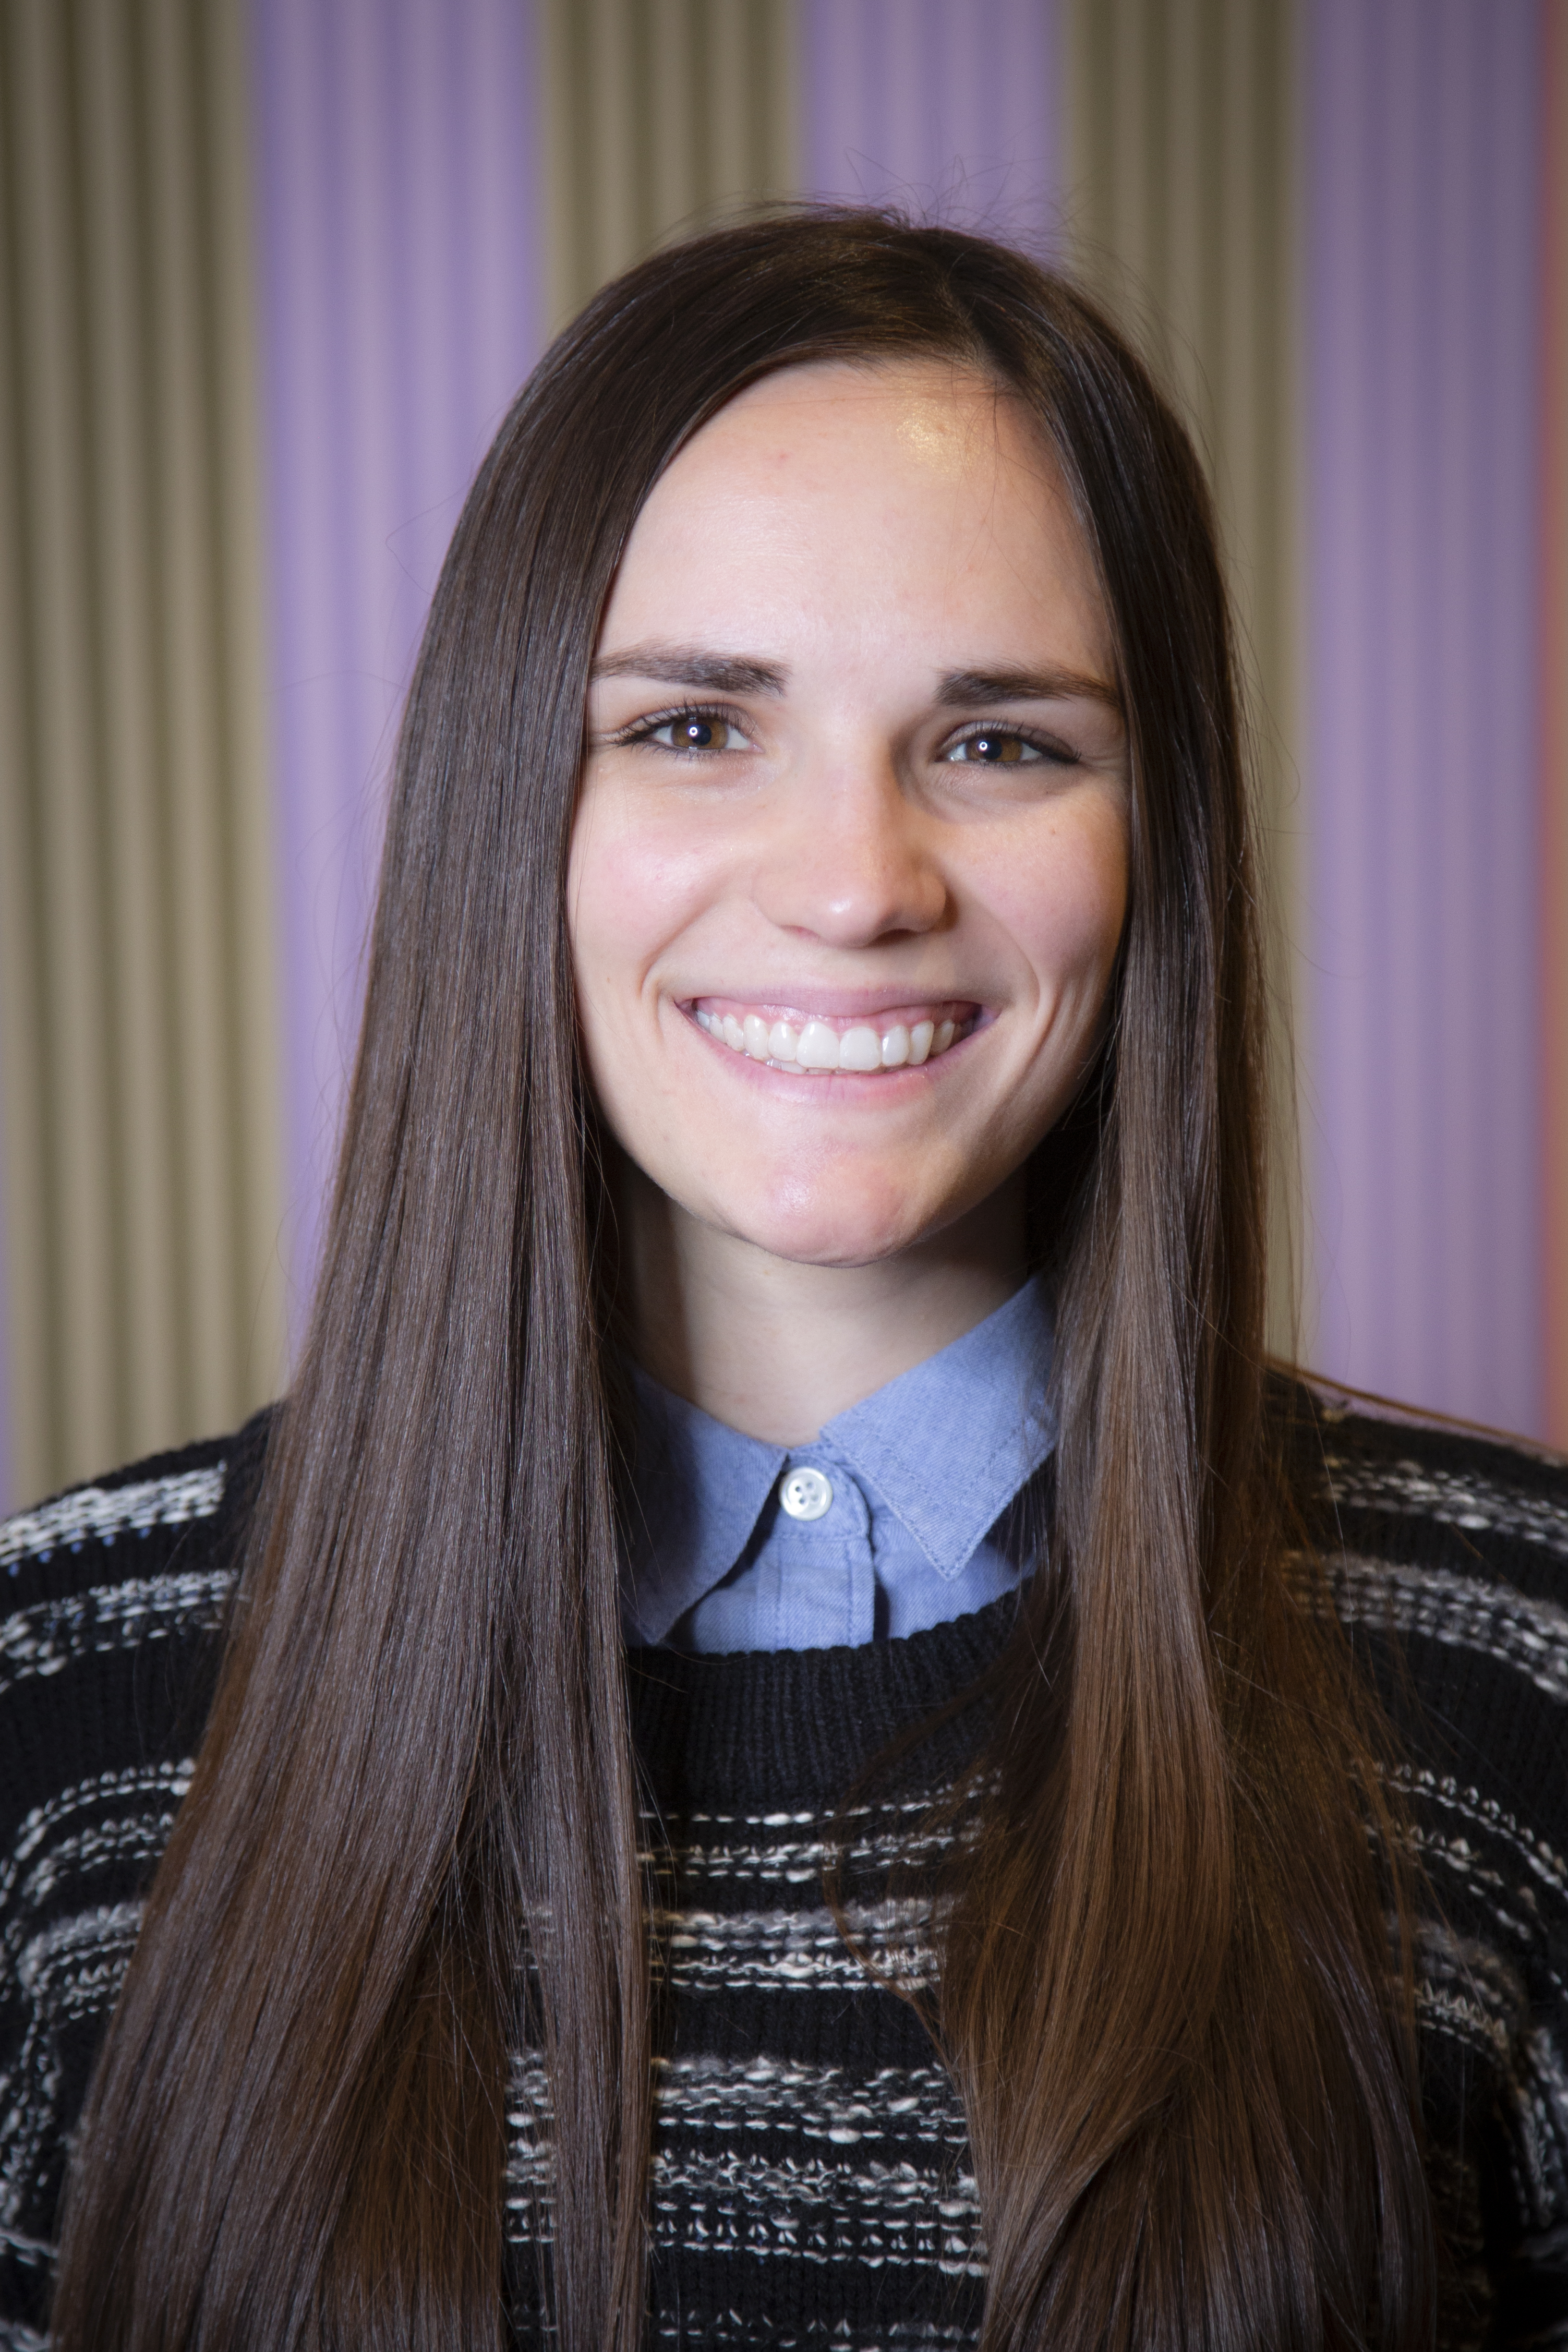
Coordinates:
182	458
675	173
659	115
253	1045
23	1046
74	1122
1182	203
142	1047
137	1054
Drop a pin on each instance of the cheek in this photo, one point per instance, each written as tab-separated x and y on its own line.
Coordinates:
1062	899
632	887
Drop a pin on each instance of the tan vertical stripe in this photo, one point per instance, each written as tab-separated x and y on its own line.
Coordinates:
182	458
28	1334
255	1062
775	95
1182	202
679	146
661	114
610	128
567	171
141	1175
141	1005
79	1371
734	162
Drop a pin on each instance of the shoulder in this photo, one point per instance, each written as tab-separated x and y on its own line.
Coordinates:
1446	1535
1411	1483
1449	1547
154	1503
114	1602
1444	1553
113	1597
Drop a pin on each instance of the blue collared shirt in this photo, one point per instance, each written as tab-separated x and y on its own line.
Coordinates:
934	1508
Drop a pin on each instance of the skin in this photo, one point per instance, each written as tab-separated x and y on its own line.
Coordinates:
887	561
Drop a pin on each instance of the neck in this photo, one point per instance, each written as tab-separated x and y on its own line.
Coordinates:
776	1348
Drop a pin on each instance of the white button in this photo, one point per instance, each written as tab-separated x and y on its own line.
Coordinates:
805	1494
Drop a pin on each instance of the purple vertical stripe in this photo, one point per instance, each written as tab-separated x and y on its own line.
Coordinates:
401	231
951	111
1422	196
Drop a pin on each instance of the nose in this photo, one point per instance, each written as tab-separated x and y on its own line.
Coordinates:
851	860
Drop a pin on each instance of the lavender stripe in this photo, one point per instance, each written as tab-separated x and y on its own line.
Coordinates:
948	110
400	229
1422	250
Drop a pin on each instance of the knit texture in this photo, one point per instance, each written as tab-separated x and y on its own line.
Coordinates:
811	2185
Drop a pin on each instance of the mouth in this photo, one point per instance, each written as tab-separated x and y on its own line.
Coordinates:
817	1044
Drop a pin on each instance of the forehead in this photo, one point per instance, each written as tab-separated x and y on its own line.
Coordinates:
931	426
897	491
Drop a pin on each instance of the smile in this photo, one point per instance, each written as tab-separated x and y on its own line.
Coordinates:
815	1044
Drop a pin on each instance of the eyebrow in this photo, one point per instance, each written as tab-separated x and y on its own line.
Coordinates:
960	689
690	666
967	689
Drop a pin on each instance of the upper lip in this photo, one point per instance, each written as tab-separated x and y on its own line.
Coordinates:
836	1003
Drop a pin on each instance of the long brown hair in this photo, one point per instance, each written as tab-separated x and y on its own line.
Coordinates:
1166	1991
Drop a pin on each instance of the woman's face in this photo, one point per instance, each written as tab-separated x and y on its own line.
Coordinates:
849	866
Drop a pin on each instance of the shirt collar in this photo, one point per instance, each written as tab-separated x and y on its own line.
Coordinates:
950	1443
697	1490
945	1446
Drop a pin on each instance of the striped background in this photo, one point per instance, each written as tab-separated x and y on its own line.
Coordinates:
269	272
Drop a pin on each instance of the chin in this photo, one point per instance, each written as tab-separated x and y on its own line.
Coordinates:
812	1227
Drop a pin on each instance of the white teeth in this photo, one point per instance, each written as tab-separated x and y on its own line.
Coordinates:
817	1047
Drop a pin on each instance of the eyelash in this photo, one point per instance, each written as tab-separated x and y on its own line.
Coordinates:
1053	754
642	730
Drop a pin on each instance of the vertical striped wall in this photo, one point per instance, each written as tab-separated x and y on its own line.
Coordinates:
1423	385
1181	207
269	272
399	194
659	115
138	960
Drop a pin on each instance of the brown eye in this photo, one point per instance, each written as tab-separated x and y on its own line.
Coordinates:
700	730
995	748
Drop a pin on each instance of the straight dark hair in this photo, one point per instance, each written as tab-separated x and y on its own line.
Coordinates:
1167	1990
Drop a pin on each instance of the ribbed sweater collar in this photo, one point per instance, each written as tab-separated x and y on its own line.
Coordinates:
786	1729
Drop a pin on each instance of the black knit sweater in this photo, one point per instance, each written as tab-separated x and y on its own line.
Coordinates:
811	2185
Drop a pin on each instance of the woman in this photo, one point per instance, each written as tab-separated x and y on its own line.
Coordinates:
785	1392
